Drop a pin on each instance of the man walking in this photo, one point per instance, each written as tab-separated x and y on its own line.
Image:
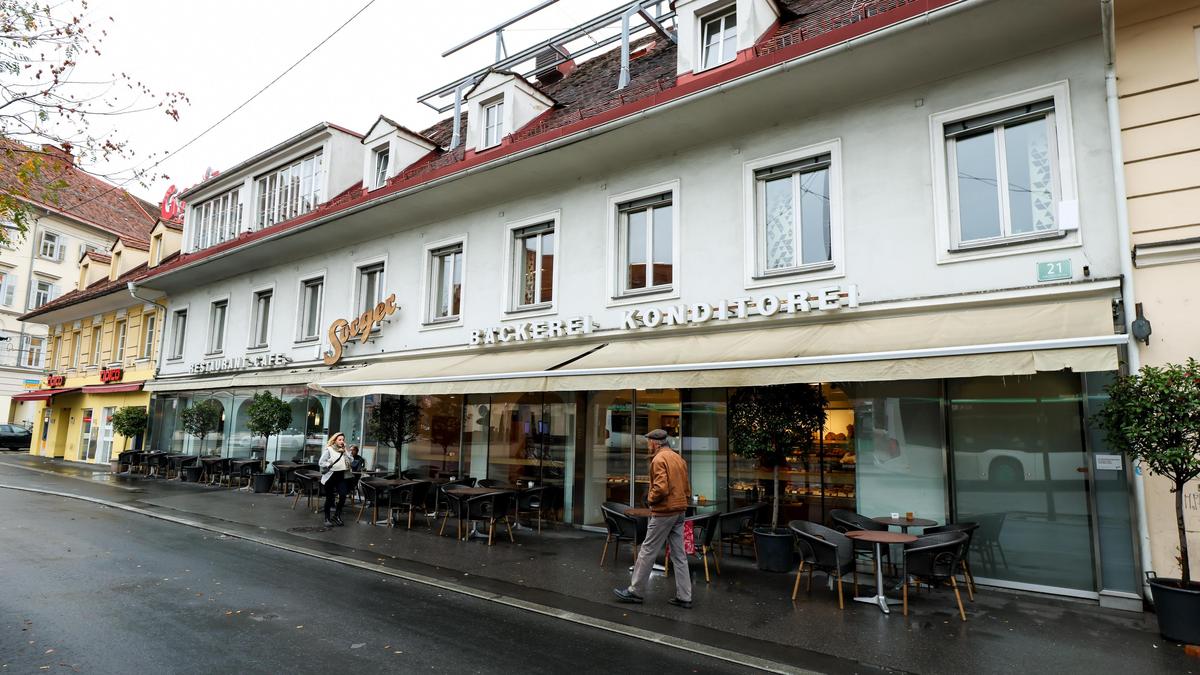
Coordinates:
669	494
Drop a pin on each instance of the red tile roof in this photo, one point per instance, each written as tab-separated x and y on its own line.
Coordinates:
66	190
587	95
98	288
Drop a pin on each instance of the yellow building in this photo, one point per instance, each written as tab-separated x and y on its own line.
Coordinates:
103	346
1157	62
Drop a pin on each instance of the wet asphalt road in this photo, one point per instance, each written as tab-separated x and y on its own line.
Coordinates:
94	590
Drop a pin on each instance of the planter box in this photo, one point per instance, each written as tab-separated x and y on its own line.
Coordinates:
1178	609
775	549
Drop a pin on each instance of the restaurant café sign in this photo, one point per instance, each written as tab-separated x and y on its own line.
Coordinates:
342	331
236	363
799	302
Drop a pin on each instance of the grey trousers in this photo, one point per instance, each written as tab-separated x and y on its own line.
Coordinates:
663	530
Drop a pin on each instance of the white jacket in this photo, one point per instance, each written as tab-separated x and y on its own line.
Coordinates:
330	462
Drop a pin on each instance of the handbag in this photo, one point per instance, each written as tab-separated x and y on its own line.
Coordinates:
332	464
689	537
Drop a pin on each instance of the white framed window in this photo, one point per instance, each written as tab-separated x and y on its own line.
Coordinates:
97	334
156	246
290	191
644	241
446	282
86	247
41	292
718	35
52	246
217	219
312	296
216	326
381	156
8	287
260	319
493	123
369	286
32	351
76	348
793	215
178	332
533	248
1004	176
119	337
149	324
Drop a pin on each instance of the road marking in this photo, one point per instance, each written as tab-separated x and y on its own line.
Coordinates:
545	610
63	475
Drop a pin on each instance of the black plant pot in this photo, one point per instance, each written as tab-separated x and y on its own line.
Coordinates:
775	549
191	474
263	482
1178	610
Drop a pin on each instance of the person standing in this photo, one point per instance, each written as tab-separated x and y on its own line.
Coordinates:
335	467
669	494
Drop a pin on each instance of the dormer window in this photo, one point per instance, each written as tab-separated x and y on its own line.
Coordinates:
216	220
719	37
289	191
493	123
381	157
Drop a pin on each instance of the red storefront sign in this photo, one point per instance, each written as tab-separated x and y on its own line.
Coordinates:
56	381
112	375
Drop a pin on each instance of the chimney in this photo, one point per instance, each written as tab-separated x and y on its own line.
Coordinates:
546	74
59	153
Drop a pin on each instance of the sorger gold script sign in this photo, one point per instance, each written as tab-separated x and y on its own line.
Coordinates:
343	331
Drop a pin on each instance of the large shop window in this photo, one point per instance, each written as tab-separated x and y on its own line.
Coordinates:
793	216
290	191
533	250
646	243
446	272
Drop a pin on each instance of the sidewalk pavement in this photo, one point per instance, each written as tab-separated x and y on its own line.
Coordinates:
743	610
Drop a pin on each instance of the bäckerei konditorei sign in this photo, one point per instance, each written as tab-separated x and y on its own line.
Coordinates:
826	299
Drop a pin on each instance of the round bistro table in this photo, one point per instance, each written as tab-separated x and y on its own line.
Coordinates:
905	523
879	538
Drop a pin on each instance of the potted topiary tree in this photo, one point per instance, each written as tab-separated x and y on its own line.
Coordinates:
1154	417
267	415
765	423
201	419
130	422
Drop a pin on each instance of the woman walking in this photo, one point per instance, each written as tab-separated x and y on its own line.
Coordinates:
335	465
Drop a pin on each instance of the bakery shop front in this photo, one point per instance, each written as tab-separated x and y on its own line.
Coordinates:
975	413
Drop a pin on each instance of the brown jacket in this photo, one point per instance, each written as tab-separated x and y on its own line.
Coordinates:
669	486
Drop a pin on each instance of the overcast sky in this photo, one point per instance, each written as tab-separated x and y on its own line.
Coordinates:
219	52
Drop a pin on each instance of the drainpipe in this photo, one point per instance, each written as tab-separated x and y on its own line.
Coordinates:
1126	257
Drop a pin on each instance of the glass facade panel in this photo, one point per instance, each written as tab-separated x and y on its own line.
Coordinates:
1114	510
439	437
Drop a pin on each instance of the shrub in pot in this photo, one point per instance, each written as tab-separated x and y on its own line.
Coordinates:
1154	417
766	423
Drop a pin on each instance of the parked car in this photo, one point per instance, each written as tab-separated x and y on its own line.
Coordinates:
15	436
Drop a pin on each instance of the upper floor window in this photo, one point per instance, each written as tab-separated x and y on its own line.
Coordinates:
493	123
446	270
381	157
52	246
793	215
76	348
533	248
370	286
97	333
43	292
645	240
311	292
290	191
8	288
719	35
149	323
32	351
156	245
178	332
119	336
261	321
216	326
217	219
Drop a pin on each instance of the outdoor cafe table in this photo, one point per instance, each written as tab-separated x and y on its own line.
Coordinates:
208	462
176	461
904	523
465	493
879	538
236	466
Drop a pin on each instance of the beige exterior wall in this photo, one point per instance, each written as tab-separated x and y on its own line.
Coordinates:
1158	80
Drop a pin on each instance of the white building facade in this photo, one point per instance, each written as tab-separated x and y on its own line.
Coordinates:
922	226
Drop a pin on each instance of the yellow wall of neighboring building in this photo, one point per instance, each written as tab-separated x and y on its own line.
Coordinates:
1158	80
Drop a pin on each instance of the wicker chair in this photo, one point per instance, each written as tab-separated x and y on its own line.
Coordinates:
825	549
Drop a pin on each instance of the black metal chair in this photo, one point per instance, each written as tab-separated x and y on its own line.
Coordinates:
410	499
845	520
490	508
620	528
825	549
491	483
539	501
240	473
375	493
969	530
737	526
990	526
449	504
934	559
309	484
704	530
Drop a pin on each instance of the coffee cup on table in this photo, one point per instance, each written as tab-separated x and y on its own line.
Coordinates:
908	516
895	515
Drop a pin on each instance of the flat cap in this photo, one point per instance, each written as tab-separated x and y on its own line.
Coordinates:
657	435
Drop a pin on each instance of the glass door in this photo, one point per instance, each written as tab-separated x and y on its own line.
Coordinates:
106	434
87	436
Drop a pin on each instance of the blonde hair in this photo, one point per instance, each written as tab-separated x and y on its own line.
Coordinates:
333	437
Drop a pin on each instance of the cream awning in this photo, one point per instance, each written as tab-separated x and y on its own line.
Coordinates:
984	341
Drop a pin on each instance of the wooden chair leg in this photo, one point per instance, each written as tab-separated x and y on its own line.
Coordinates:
410	517
809	585
841	603
967	583
856	579
491	529
295	501
961	612
904	594
796	586
605	551
970	579
509	526
442	529
705	553
361	507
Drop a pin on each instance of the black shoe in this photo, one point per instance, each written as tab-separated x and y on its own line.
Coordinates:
337	520
329	523
686	604
623	595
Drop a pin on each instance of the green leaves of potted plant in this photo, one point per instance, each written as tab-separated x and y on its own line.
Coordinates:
267	415
201	419
130	422
1154	417
766	423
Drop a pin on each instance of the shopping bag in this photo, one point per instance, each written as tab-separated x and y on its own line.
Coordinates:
689	538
